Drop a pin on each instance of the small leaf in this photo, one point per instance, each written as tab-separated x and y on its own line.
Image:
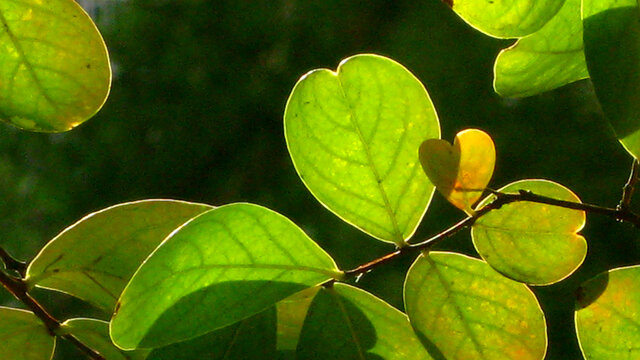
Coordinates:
460	172
507	18
353	135
345	322
24	336
608	315
221	267
462	309
95	334
529	242
54	67
547	59
612	49
95	258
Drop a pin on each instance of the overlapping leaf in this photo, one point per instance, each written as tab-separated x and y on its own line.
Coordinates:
95	334
54	67
95	258
291	314
530	242
354	135
608	315
462	309
223	266
24	336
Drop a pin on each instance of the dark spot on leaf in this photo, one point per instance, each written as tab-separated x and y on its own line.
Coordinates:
448	2
55	271
307	102
88	66
117	308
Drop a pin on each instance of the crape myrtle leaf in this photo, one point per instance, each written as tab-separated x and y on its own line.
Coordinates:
608	315
95	334
221	267
460	172
612	50
291	314
54	66
462	309
353	136
529	242
547	59
507	18
249	339
95	258
345	322
24	336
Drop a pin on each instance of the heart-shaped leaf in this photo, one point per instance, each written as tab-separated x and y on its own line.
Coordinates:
24	336
460	172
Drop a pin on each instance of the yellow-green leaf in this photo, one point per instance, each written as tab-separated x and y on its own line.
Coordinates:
95	334
24	336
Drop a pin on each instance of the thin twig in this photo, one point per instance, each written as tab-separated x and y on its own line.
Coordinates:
11	263
629	187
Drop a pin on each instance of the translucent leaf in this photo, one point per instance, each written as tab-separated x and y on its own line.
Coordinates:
506	18
462	309
223	266
460	172
95	258
24	336
95	334
291	314
549	58
54	67
612	49
345	322
529	242
354	135
608	315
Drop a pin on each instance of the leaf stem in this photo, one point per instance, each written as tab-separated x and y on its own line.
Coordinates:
629	187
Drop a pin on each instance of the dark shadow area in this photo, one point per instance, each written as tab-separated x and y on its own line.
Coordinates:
591	290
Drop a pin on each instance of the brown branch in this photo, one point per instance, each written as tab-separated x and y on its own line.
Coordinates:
629	187
11	263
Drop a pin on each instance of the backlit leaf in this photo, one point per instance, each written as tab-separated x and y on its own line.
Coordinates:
24	336
291	314
529	242
463	310
54	67
354	135
221	267
95	334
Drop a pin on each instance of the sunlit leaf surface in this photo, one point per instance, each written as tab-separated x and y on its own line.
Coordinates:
223	266
354	135
54	67
95	334
24	336
608	315
460	172
95	258
463	310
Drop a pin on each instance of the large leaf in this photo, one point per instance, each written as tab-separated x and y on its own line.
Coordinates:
95	334
551	57
463	310
345	322
354	135
608	315
529	242
95	258
612	49
221	267
506	18
54	67
24	336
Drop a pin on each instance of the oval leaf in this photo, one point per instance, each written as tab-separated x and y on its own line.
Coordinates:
95	258
353	136
361	327
529	242
95	334
608	315
221	267
54	67
460	172
462	309
24	336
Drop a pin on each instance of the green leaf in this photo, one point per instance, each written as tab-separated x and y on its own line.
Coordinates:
95	334
612	49
345	322
608	315
354	135
529	242
54	67
95	258
549	58
291	314
462	309
506	18
221	267
24	336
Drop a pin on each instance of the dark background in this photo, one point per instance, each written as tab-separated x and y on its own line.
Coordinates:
195	113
